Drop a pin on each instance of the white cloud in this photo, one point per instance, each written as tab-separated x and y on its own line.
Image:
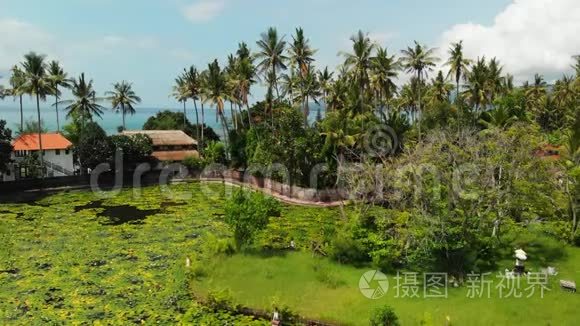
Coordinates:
203	10
19	38
528	36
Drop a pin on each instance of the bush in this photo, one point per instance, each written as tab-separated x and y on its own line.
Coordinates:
194	163
247	213
215	152
384	316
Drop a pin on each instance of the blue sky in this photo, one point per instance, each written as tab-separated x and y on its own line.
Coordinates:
148	42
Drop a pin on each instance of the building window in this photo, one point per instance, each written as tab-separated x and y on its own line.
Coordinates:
57	151
66	152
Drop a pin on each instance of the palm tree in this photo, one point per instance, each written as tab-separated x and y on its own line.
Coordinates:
17	82
245	76
325	81
565	92
301	54
217	92
203	93
359	62
499	117
38	84
271	54
384	71
84	104
536	93
289	84
182	93
308	88
192	85
458	65
477	85
576	65
419	60
494	80
439	91
123	99
58	78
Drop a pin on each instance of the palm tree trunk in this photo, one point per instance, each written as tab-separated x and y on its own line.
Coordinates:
41	155
56	108
240	114
184	115
249	114
202	126
234	119
419	103
306	112
123	114
226	128
196	119
21	114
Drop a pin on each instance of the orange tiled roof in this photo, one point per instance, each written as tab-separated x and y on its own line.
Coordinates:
50	141
174	155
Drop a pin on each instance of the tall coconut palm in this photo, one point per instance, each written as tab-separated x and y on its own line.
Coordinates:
245	77
477	85
439	91
308	89
458	65
494	80
536	94
182	94
58	78
84	104
191	83
564	92
359	61
38	84
301	53
17	82
419	60
325	81
385	69
217	92
123	99
271	54
203	94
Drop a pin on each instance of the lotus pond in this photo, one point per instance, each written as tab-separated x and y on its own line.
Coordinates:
80	258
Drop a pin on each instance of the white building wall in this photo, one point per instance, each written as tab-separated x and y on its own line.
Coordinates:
64	160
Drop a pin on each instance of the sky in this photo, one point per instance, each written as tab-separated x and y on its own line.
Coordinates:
149	42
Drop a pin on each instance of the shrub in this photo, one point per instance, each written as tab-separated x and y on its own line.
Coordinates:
247	213
215	152
384	316
194	163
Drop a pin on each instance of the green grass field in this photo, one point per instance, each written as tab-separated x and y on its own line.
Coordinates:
76	258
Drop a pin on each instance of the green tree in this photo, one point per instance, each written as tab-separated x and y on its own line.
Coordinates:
419	60
169	120
308	89
84	104
458	65
191	85
94	147
359	61
385	69
384	316
247	213
58	79
217	92
5	146
301	53
182	93
37	84
271	56
123	99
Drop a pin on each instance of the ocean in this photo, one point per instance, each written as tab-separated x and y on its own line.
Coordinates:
110	120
